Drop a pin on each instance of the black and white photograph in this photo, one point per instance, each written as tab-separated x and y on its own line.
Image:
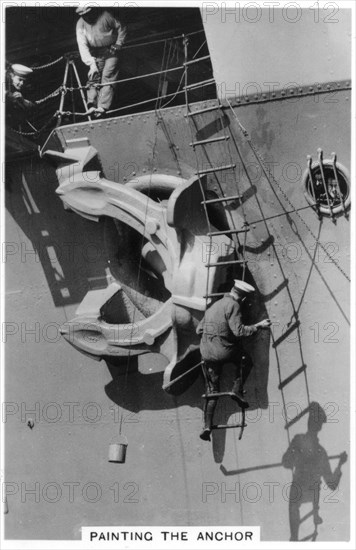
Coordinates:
177	274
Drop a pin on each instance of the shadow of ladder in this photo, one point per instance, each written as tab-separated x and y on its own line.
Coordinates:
289	383
284	383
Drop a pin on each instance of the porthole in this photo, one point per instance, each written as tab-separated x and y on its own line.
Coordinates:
333	196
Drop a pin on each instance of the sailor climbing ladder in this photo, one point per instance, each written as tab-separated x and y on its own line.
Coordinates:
233	232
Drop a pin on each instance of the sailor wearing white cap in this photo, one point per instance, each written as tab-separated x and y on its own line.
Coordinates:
223	333
82	10
21	70
18	74
242	287
17	107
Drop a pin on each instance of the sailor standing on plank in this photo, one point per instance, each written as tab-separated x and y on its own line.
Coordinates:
100	37
222	339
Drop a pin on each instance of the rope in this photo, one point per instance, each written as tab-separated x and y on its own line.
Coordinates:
37	132
126	47
178	91
166	386
232	224
266	218
138	277
23	133
190	122
139	76
70	113
198	50
269	176
38	68
99	85
235	237
182	77
52	94
148	43
64	89
147	101
161	78
32	126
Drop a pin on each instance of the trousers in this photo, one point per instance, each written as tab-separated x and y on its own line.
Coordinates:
108	72
242	366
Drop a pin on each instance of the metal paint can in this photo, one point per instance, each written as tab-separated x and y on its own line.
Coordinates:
117	451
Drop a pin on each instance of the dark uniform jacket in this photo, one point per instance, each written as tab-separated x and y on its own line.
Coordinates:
17	108
222	330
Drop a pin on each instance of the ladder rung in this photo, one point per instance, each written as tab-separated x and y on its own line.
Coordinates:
210	140
285	334
228	232
197	60
291	377
217	394
227	263
225	426
216	169
222	199
296	418
206	110
201	83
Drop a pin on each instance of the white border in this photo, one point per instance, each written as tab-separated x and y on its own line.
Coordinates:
350	4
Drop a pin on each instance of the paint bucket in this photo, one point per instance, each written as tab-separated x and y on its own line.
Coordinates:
117	450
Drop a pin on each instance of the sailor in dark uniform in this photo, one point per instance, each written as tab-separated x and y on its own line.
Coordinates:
223	333
17	110
17	107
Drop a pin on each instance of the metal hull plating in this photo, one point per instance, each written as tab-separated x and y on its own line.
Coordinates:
64	409
170	476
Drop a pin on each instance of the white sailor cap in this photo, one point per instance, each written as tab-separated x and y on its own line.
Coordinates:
82	10
21	70
241	286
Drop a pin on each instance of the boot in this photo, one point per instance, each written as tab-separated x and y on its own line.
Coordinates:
205	434
209	415
237	393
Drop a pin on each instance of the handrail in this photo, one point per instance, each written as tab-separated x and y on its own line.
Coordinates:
63	89
129	106
124	47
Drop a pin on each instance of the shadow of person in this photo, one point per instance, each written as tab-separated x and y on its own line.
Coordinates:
310	463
